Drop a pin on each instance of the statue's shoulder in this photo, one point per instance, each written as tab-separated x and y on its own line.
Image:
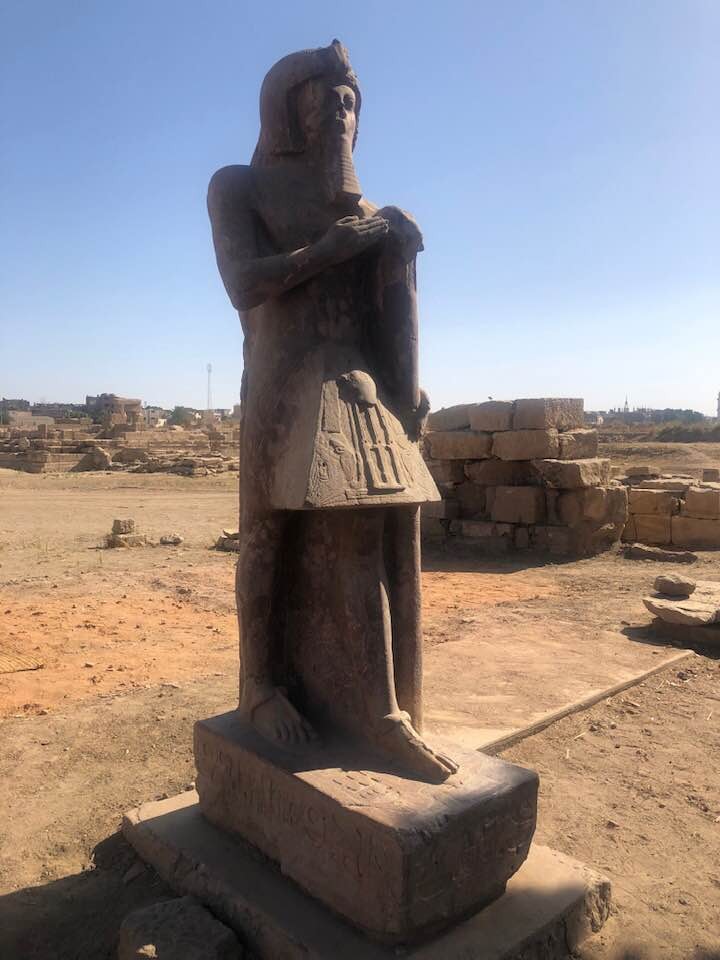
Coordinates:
231	184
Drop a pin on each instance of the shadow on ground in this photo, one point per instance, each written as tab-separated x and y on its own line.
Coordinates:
78	917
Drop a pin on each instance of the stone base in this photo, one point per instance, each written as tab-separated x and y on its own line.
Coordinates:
550	906
397	857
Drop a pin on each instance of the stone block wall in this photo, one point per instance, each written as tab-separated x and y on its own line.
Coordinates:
521	474
667	510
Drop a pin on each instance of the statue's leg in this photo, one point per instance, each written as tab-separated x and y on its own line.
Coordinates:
262	702
402	557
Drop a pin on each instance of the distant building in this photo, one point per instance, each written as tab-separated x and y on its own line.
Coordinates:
6	405
25	420
155	416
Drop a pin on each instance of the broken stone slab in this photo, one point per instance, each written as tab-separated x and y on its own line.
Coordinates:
551	905
451	418
661	483
546	413
691	612
702	503
423	854
574	474
525	444
492	415
693	532
459	445
180	929
674	585
578	444
641	551
652	501
519	505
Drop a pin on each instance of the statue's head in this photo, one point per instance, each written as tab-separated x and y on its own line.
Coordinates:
308	98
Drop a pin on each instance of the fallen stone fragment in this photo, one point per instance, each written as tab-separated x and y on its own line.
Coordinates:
123	526
125	540
178	929
228	543
673	585
171	540
692	613
231	534
640	551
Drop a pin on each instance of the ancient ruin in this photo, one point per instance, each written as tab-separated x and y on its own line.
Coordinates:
325	767
666	509
521	475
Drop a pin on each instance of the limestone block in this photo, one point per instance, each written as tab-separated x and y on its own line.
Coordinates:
446	471
522	538
676	485
519	505
492	415
433	529
471	499
500	473
711	474
459	445
126	540
673	585
123	526
477	528
544	413
178	929
652	501
525	444
440	509
694	532
398	858
451	418
703	504
573	474
571	507
640	471
629	534
554	540
552	505
616	504
577	444
652	528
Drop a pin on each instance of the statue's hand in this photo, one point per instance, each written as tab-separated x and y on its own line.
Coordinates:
350	236
404	231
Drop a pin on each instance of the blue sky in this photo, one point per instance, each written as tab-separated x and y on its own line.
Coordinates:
562	159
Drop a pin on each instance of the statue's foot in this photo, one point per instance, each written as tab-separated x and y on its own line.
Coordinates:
399	740
275	718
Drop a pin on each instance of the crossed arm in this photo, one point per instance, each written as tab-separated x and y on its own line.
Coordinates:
251	280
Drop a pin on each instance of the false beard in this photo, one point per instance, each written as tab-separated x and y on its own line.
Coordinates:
341	182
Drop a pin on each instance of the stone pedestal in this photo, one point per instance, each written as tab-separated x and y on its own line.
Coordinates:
550	906
399	858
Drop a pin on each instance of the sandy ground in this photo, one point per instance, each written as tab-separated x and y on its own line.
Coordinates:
138	643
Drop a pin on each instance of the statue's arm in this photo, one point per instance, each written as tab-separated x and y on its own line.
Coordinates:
251	279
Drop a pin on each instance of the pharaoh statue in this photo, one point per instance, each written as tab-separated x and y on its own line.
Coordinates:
331	475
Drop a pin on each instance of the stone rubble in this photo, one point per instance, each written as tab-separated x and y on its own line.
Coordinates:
521	475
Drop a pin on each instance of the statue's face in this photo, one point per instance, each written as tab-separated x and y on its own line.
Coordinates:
326	111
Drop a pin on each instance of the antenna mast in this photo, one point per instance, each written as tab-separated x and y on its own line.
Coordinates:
209	392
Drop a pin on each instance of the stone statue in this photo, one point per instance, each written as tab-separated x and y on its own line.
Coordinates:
331	475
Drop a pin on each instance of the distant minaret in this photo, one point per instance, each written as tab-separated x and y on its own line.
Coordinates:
626	408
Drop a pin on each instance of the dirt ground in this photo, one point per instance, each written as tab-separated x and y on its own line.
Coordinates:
136	644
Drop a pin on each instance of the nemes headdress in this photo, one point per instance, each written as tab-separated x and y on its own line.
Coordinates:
280	131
